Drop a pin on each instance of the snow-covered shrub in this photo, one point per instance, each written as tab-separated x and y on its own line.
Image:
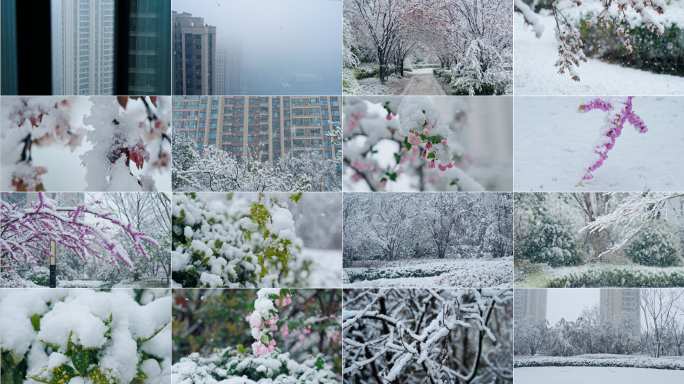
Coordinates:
232	246
350	84
39	276
552	241
426	335
61	336
481	70
655	245
236	366
611	275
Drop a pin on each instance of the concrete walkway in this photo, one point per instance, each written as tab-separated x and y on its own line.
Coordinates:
423	84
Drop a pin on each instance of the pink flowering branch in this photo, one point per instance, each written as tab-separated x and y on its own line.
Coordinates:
614	120
27	232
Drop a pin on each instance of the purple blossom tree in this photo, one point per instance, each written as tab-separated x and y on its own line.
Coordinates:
28	230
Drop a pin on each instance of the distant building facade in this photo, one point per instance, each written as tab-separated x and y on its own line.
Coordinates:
530	305
194	55
229	69
86	61
271	125
622	306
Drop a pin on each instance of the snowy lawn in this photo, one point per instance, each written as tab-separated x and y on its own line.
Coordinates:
536	75
80	284
604	275
594	375
601	360
553	142
393	85
147	282
463	273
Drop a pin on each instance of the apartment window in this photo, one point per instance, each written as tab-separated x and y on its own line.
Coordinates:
239	138
239	110
324	112
316	143
288	144
193	104
228	101
333	103
227	119
214	115
200	145
314	111
212	125
226	128
251	138
228	110
286	113
263	137
240	119
252	101
324	102
200	135
325	122
241	102
288	133
276	124
239	149
204	106
251	110
226	148
214	106
315	121
250	119
276	134
335	113
263	100
297	102
313	101
264	127
202	124
263	118
190	124
252	129
298	112
276	144
286	103
212	135
288	123
276	105
328	155
326	143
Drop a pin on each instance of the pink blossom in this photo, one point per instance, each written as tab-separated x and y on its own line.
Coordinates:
247	318
426	131
424	154
442	168
449	166
389	116
431	164
302	338
444	142
428	146
356	177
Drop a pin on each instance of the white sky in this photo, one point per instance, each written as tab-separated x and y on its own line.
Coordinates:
568	303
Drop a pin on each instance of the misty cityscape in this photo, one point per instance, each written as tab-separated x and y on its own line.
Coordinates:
261	47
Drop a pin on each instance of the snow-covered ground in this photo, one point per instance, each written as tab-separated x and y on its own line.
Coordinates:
535	73
595	375
604	275
553	142
373	86
326	268
80	284
462	273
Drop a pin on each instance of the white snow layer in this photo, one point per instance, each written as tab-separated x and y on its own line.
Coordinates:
553	141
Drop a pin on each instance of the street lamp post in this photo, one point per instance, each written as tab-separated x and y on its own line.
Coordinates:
53	265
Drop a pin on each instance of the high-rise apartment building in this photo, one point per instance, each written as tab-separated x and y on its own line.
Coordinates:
620	305
229	68
85	65
194	55
271	125
529	304
149	66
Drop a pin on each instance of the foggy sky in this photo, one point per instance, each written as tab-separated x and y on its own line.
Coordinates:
292	36
569	303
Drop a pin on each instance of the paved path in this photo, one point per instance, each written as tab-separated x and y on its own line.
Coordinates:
423	84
